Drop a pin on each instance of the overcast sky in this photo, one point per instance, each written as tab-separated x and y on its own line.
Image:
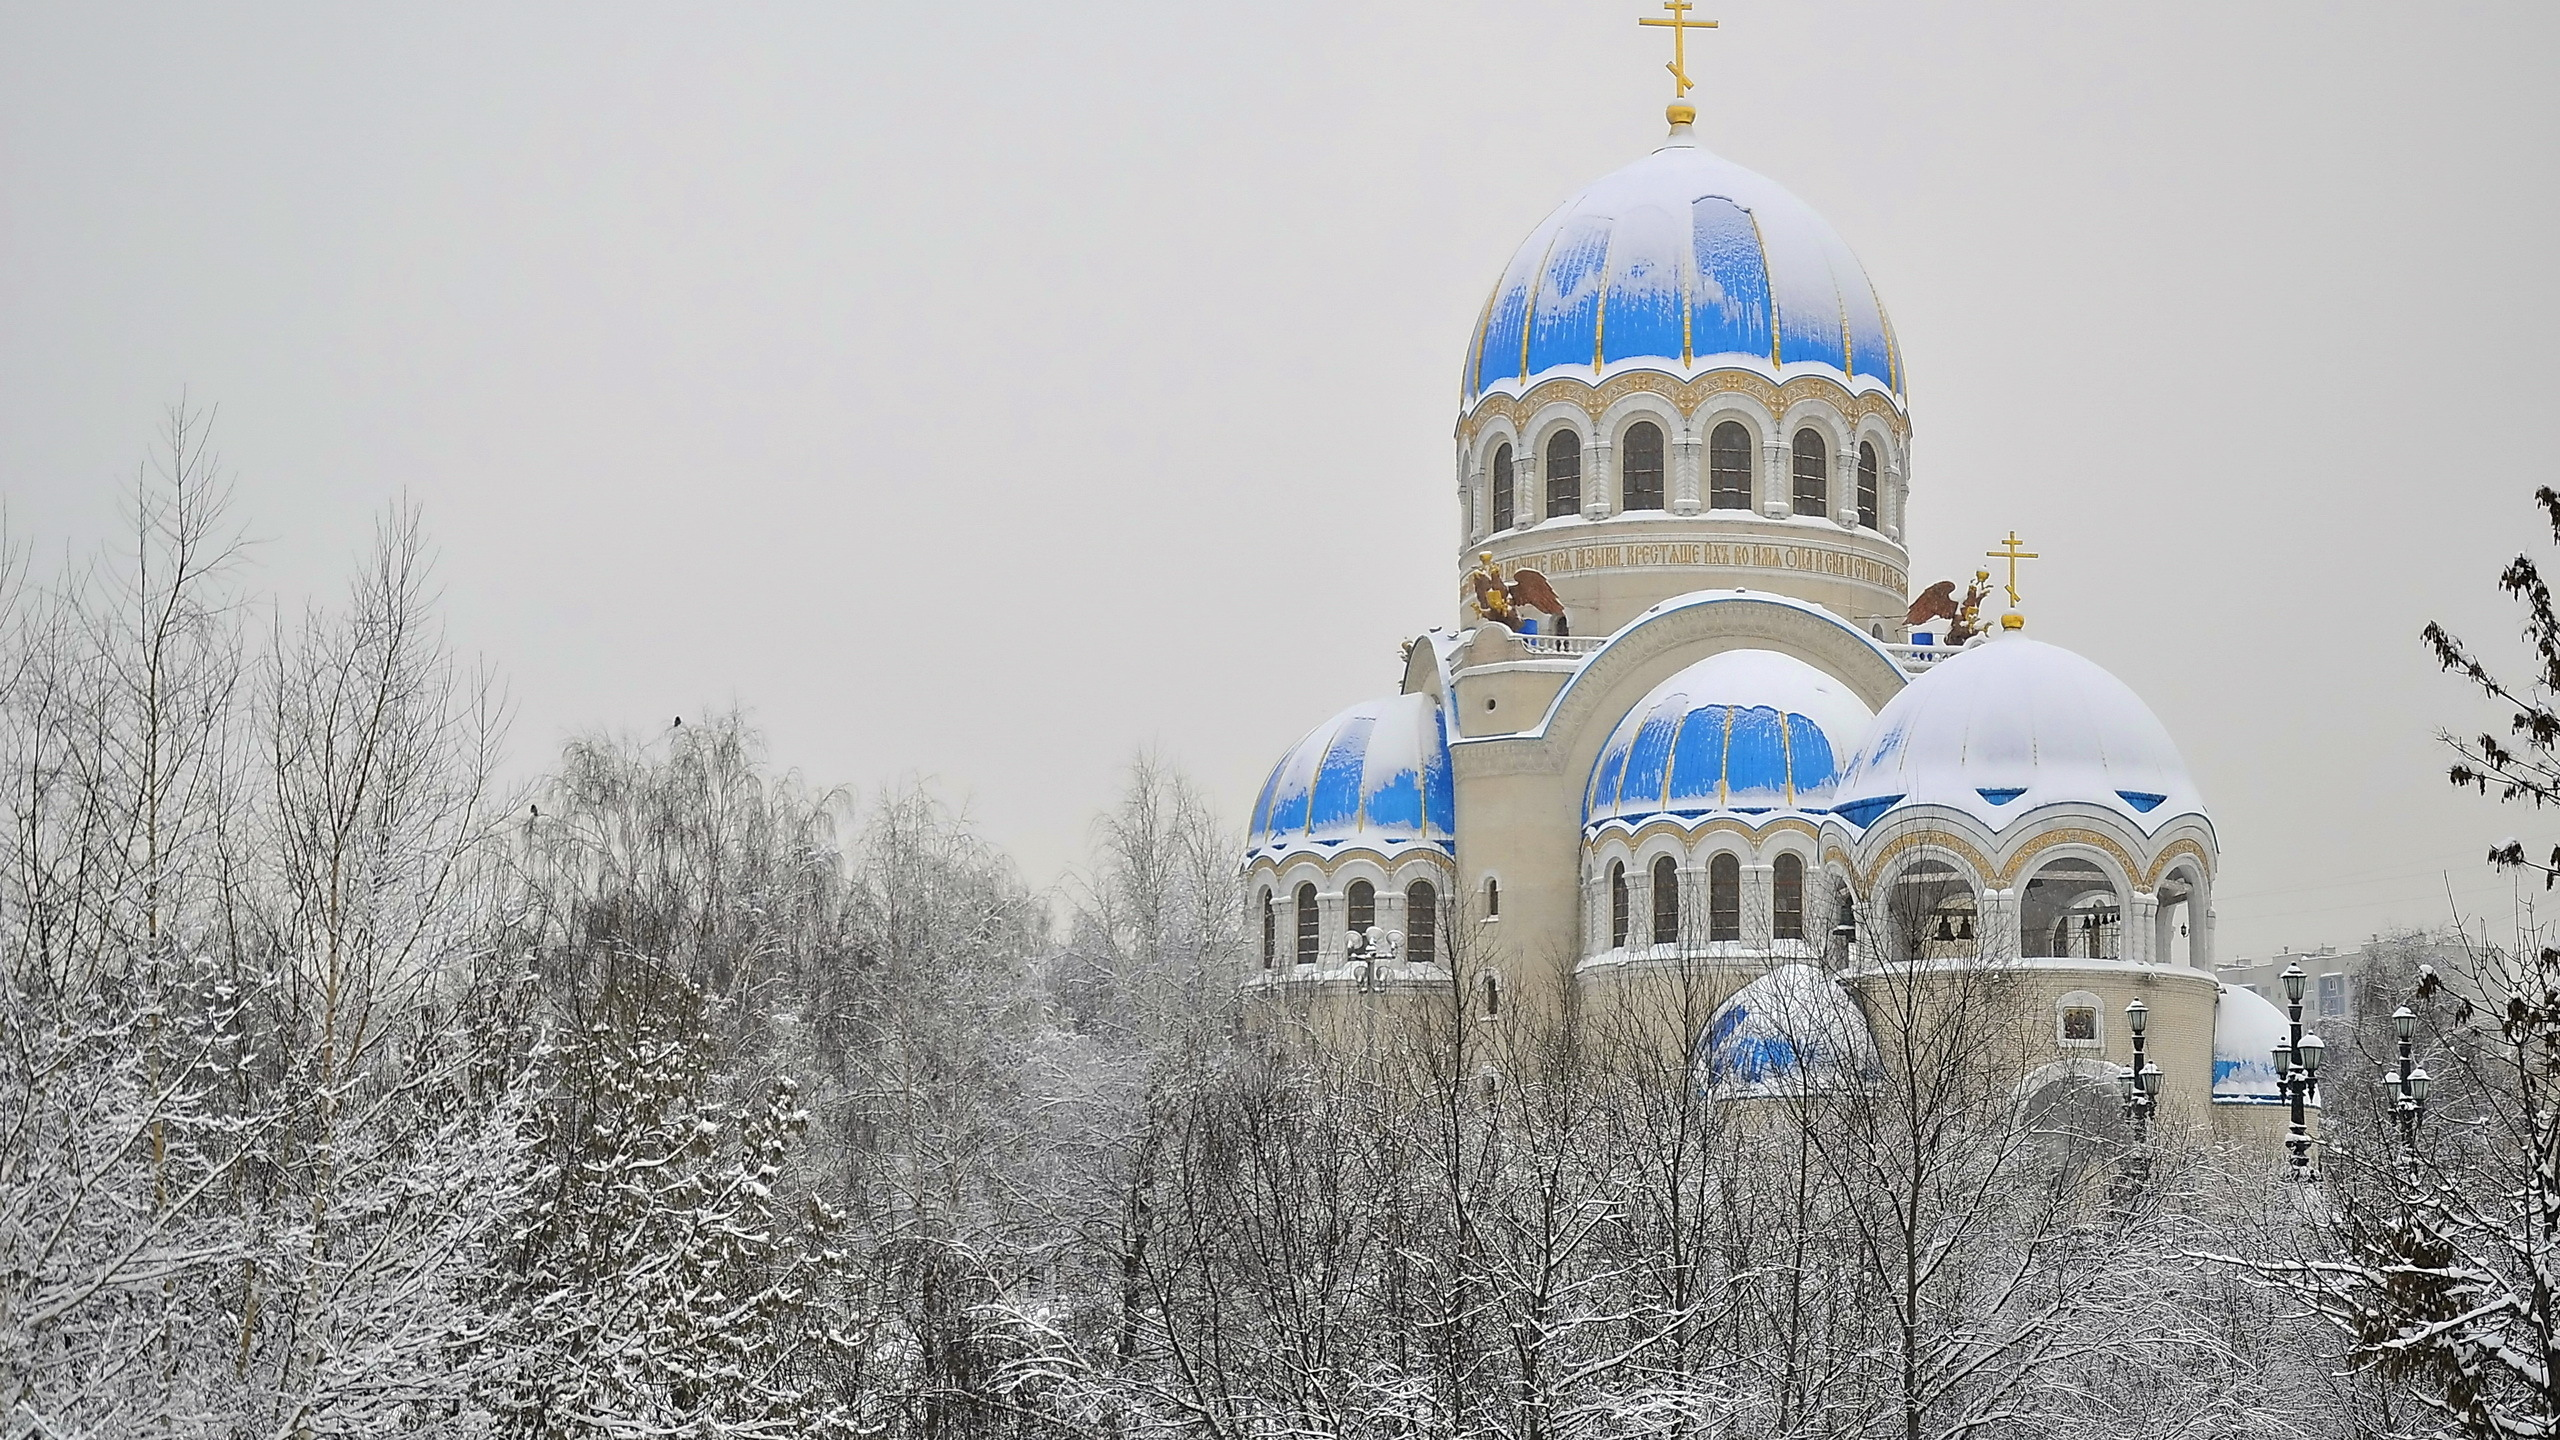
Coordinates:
981	392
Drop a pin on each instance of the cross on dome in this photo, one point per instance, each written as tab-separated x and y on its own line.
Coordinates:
2010	552
1679	25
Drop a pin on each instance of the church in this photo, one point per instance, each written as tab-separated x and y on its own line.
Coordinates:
1689	720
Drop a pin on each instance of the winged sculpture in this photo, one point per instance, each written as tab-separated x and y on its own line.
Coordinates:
1963	617
1502	600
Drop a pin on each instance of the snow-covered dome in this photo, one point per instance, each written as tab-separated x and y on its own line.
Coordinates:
1377	774
2247	1028
1743	730
2012	724
1792	1028
1683	261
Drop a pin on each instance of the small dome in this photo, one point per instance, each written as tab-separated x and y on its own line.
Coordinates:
1377	774
2247	1028
1683	261
1743	730
1792	1028
2011	724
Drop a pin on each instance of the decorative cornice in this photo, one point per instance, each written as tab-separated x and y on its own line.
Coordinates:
1686	395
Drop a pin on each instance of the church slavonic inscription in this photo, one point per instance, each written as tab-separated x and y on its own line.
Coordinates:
1649	554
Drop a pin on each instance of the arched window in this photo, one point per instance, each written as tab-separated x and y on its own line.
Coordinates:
1564	473
1929	914
2068	909
1422	923
1363	898
1492	898
1868	471
1503	514
1786	897
1724	897
1813	474
1492	996
1666	900
1617	905
1306	924
1270	933
1640	467
1729	467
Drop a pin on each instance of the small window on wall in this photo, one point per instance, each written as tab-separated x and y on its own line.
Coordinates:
1729	467
1666	900
1270	933
1306	924
1724	898
1492	898
1492	996
1813	474
1868	472
1363	898
1640	467
1786	897
2333	996
1503	515
1564	474
1422	923
1617	905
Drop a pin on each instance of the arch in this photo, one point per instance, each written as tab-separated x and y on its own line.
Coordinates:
1724	896
2070	909
1270	931
1422	923
1729	451
1870	485
1930	914
2079	1123
1564	472
1640	467
1306	907
1786	896
1811	461
1666	900
1505	515
1617	904
1361	904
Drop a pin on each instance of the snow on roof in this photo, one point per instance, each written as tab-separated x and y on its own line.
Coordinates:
1792	1028
2247	1027
1740	730
1376	774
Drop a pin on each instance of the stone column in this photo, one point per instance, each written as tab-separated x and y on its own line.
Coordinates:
1332	914
1599	480
1889	503
1844	487
1684	474
1391	915
1759	920
1693	909
2141	929
1777	481
1995	924
1639	906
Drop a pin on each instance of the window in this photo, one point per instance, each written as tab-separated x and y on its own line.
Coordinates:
1564	473
1422	923
1813	474
1492	995
1617	905
1492	898
1867	474
1502	511
1364	906
1640	467
1306	924
1270	933
1666	900
1729	467
1724	898
1786	898
2333	996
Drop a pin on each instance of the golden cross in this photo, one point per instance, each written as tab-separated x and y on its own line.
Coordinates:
1679	25
2010	552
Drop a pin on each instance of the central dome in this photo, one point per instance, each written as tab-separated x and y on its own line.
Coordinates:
1682	261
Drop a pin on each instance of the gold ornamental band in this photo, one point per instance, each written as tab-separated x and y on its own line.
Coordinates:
1740	555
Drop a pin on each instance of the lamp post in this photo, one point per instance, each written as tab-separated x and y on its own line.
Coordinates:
2409	1084
2297	1063
2142	1078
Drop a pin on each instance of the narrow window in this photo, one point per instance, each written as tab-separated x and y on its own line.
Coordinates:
1640	467
1564	473
1786	900
1617	905
1867	473
1492	898
1270	933
1666	900
1364	906
1813	472
1422	923
1306	924
1724	898
1729	467
1502	511
1492	996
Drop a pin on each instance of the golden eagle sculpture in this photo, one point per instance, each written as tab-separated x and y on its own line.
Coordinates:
1963	617
1502	600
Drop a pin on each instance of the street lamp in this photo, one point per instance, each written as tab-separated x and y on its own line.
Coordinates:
2297	1060
2141	1078
2409	1084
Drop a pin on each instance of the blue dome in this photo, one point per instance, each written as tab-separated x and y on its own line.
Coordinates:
1743	730
1683	261
1377	774
1792	1029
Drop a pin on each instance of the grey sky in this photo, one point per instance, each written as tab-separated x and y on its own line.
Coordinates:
980	392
